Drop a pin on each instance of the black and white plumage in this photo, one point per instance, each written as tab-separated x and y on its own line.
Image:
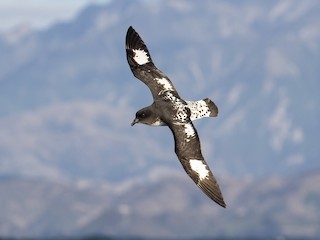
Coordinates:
168	109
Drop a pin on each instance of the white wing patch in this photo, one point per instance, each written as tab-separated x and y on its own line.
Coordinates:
165	83
199	109
199	167
189	130
140	56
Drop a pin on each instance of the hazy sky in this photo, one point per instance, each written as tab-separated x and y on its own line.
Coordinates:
38	13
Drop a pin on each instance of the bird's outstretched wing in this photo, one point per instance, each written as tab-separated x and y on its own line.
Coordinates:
188	150
143	68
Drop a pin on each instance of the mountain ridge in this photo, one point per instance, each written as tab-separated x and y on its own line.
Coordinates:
88	64
274	206
67	98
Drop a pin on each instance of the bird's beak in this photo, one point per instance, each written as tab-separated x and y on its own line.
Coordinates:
136	120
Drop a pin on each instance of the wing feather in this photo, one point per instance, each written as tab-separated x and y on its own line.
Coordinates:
142	66
188	150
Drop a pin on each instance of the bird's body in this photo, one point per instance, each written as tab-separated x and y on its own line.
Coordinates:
169	109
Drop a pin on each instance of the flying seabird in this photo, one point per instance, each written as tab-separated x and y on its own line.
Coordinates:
169	109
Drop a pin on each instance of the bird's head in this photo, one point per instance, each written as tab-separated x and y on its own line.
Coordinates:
145	116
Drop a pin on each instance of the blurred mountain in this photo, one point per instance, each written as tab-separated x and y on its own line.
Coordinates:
67	95
67	98
161	205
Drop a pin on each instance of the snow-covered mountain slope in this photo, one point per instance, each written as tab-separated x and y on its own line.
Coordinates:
67	95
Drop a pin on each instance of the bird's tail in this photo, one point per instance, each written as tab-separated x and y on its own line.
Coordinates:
202	108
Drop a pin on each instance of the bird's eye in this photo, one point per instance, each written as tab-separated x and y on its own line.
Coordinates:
142	115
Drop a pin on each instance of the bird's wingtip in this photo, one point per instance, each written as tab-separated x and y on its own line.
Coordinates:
211	188
137	50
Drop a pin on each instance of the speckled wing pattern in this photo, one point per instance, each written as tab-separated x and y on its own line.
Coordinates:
202	108
142	67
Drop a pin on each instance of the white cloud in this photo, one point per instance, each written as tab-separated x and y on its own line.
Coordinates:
234	94
279	65
231	122
289	10
297	135
310	34
279	10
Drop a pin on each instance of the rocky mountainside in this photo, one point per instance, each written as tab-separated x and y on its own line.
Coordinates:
67	98
67	95
161	206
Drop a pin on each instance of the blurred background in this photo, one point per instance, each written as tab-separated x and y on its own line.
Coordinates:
72	166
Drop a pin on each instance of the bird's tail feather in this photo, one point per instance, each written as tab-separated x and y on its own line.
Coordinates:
212	107
202	108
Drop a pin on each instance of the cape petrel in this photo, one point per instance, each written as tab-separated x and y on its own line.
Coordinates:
169	109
